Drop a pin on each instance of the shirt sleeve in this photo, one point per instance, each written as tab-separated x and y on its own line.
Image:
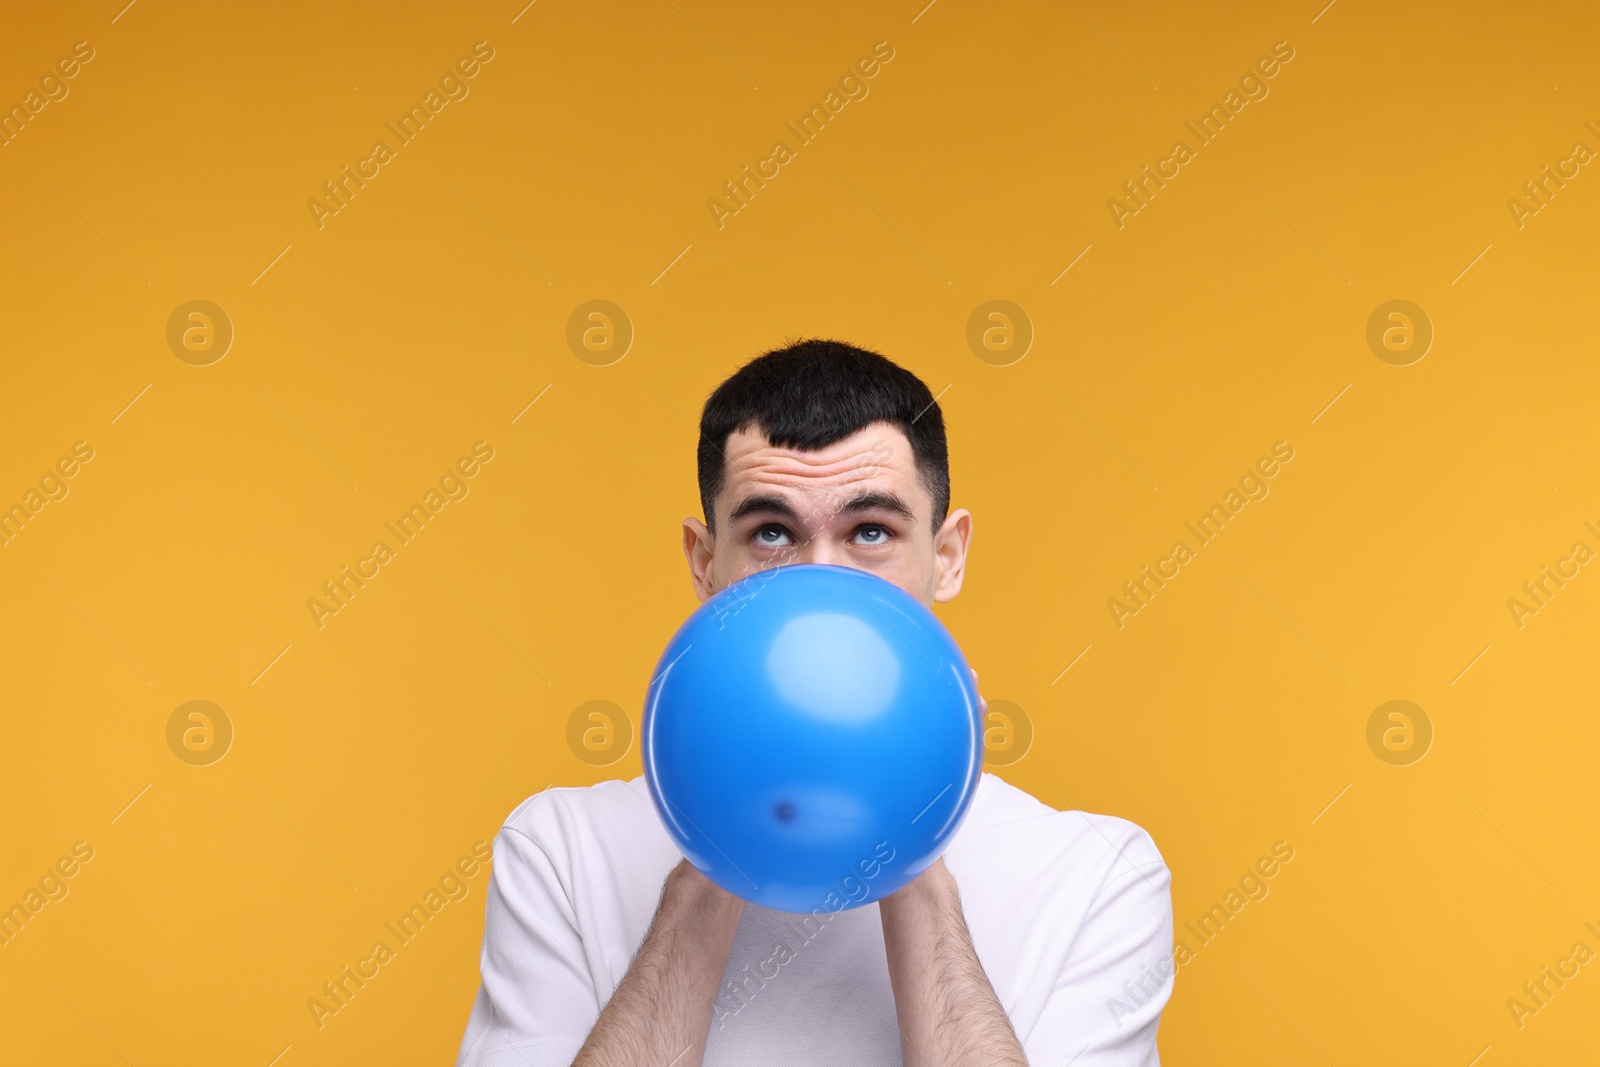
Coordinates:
1107	999
537	1002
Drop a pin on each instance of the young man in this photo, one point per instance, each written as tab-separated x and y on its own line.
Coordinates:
1040	937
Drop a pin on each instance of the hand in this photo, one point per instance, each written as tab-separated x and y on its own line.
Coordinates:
983	705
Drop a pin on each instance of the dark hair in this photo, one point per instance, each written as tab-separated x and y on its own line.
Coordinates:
813	393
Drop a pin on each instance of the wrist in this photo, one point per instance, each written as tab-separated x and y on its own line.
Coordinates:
694	893
932	887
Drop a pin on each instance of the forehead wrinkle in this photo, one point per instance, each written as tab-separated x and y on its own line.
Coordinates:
792	467
788	477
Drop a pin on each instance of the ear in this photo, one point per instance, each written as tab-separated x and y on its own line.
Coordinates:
950	547
697	549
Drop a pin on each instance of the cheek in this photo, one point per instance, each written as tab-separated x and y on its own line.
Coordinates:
924	587
729	565
908	572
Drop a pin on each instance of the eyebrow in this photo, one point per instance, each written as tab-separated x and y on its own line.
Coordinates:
871	500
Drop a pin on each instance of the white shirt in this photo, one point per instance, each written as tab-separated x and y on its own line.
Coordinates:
1070	914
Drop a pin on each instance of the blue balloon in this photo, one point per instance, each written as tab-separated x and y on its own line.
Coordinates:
812	738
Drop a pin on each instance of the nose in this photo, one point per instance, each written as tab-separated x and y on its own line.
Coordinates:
816	545
825	554
817	550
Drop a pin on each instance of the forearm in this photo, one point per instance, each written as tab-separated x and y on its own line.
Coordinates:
948	1013
661	1011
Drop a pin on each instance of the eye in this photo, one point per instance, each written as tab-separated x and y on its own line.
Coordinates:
771	536
873	534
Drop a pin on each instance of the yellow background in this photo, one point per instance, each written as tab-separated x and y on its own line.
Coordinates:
430	311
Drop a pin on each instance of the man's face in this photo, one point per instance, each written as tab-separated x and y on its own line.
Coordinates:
856	503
